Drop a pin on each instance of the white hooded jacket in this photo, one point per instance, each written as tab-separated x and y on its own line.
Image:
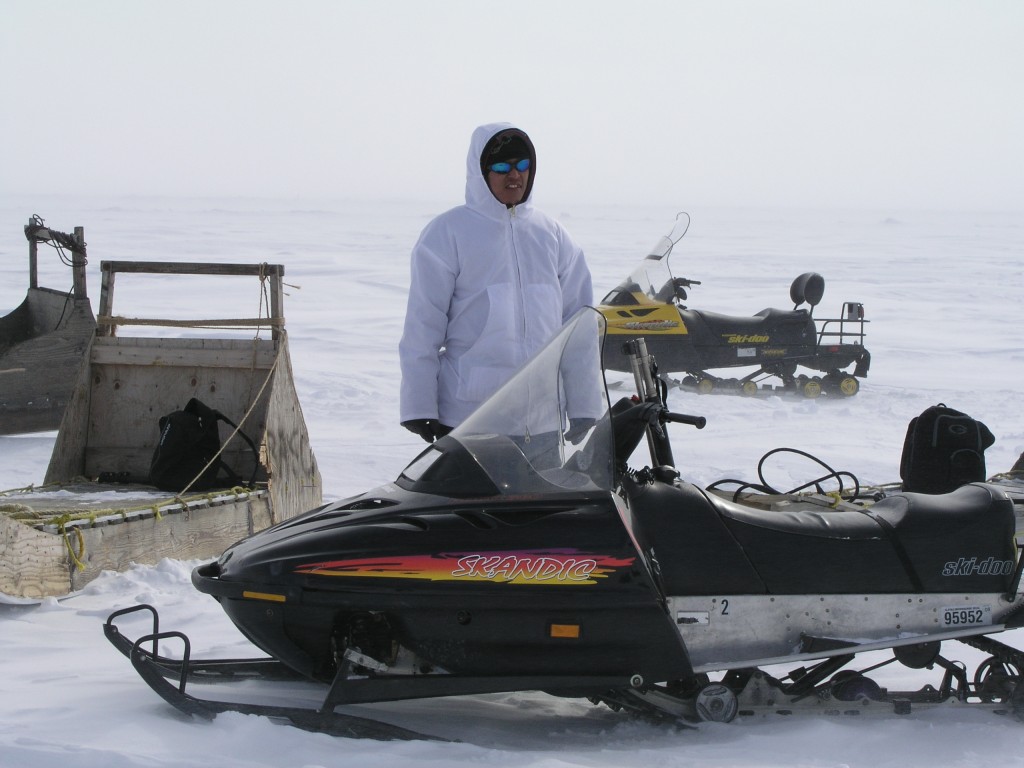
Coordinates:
490	285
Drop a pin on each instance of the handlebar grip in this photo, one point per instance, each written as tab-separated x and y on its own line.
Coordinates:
681	418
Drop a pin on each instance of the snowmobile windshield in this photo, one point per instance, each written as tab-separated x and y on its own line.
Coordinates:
651	281
548	429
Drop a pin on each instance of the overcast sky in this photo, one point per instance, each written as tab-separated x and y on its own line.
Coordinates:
867	103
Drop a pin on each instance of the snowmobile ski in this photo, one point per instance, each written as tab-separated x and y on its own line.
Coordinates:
159	672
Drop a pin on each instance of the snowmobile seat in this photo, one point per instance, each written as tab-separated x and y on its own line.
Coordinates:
794	316
752	325
960	541
682	533
828	551
778	326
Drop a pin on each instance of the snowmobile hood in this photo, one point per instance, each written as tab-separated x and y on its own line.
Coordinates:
478	193
393	534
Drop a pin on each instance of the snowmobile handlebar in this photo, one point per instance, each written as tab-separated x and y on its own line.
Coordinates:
679	286
681	418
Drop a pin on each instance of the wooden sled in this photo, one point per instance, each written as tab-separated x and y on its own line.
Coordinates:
95	511
43	340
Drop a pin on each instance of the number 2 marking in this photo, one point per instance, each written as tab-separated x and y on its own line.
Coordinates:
725	607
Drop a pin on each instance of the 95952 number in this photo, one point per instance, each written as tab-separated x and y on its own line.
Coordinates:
966	616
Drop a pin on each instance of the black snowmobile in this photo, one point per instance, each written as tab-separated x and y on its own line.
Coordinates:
521	552
773	342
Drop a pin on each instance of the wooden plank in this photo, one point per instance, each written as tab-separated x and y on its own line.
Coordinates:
191	353
294	477
68	454
33	260
232	323
192	268
32	564
106	299
78	262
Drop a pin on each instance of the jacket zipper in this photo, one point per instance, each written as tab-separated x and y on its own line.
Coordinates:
520	297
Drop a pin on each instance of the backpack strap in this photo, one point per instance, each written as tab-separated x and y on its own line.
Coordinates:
252	446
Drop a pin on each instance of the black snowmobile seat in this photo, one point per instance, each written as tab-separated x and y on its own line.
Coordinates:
960	541
694	552
957	542
906	543
780	326
826	552
704	544
795	316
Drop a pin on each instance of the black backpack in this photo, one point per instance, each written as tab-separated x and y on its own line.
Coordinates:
189	439
943	450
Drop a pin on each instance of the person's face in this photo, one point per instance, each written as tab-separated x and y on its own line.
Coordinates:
510	187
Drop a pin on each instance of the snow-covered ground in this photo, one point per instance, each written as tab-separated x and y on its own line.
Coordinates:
942	291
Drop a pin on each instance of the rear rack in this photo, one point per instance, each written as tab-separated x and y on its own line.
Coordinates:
851	325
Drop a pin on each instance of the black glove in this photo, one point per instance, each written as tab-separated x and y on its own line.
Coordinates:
429	429
629	421
578	428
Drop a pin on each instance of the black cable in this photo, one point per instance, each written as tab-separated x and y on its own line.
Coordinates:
59	241
764	487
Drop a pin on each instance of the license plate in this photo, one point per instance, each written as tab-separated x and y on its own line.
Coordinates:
966	616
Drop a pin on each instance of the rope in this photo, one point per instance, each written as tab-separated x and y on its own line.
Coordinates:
75	558
17	511
25	513
28	488
69	520
28	514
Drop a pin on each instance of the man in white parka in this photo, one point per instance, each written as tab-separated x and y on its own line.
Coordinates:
491	283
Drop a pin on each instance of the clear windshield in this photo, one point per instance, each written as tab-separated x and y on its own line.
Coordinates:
652	278
548	428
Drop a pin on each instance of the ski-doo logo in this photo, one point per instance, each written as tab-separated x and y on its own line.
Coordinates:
970	566
741	338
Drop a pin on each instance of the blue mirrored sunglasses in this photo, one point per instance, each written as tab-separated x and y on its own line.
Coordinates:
522	165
